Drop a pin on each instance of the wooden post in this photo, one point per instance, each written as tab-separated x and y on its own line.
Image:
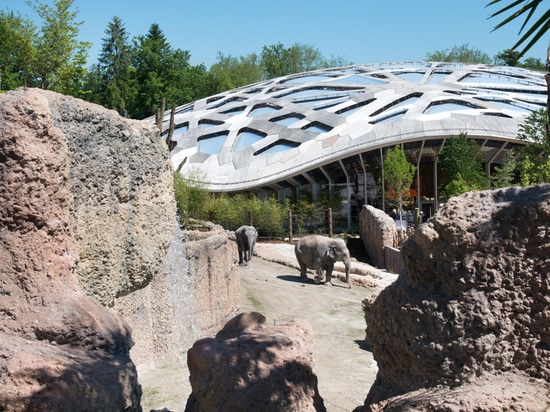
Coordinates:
250	221
289	225
330	222
172	126
160	115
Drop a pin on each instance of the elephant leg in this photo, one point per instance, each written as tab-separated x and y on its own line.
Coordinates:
329	268
240	256
303	271
320	275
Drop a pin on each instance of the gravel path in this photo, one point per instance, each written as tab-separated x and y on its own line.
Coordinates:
270	285
344	366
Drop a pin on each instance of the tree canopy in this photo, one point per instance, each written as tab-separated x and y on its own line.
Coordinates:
59	59
535	157
398	174
461	162
463	53
16	50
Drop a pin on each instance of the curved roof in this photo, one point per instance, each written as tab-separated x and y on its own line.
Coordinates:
267	132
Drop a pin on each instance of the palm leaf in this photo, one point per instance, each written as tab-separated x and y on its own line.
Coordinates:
527	8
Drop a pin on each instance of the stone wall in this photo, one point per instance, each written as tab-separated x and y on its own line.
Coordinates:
377	231
194	294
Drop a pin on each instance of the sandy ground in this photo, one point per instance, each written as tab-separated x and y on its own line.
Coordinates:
270	285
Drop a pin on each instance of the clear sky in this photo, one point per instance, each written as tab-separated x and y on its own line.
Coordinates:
360	31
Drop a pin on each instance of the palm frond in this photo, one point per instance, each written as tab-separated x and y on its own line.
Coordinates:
527	8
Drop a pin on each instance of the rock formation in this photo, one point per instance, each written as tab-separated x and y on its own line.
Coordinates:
196	291
467	325
377	232
85	204
122	202
250	366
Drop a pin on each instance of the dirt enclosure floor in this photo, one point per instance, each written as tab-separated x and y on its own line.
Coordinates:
270	285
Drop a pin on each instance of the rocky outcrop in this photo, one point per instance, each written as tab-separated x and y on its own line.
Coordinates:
85	204
250	366
196	291
377	231
122	201
466	326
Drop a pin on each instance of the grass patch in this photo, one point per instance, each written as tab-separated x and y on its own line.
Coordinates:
254	302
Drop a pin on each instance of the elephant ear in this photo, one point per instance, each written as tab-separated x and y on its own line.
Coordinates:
331	252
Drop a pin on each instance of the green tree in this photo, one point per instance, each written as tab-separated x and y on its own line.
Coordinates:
463	54
508	57
191	196
116	89
162	72
278	60
231	72
151	59
336	61
304	212
398	174
462	163
535	156
271	216
189	83
505	174
16	50
533	63
59	59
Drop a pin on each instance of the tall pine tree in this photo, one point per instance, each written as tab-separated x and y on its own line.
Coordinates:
115	67
151	61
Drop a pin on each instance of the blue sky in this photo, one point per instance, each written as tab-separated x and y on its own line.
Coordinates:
360	31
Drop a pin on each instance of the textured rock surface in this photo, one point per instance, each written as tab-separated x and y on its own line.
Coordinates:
196	291
67	209
254	367
472	310
122	206
377	231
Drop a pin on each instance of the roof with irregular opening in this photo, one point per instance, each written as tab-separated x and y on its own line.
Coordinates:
273	130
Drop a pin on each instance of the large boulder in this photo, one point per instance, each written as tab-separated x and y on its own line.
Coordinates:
122	200
250	366
468	322
78	207
378	231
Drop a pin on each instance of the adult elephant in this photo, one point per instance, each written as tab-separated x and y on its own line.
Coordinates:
319	253
246	241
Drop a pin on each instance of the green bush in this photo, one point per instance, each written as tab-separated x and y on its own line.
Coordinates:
191	198
268	216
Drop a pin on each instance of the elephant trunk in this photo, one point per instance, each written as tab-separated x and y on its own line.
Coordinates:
347	263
